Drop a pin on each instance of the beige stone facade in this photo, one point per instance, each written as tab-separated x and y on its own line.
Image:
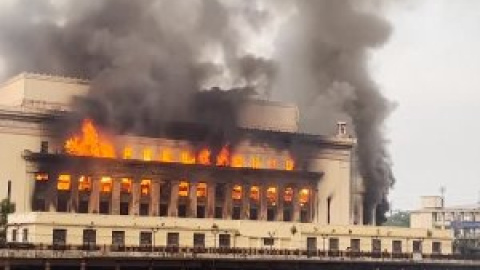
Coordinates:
152	192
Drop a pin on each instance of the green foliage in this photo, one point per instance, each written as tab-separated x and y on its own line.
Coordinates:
6	208
398	219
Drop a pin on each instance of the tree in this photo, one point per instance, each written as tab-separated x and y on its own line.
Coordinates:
6	207
398	219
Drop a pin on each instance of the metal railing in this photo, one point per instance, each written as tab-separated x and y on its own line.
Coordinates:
91	250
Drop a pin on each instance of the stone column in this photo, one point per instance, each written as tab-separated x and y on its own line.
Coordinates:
210	199
280	200
296	204
227	205
94	195
115	196
173	205
263	202
74	194
192	199
155	197
245	201
312	204
51	193
135	206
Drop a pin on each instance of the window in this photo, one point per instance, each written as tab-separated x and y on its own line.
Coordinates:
144	209
126	185
417	246
14	235
397	246
304	196
187	157
145	238
199	240
254	193
173	239
124	208
104	207
253	213
166	155
182	210
289	164
127	153
89	238
272	195
220	191
355	245
333	244
237	192
83	206
44	147
271	214
224	240
436	247
62	202
163	211
304	216
85	183
288	195
201	190
256	162
237	161
311	243
200	211
376	245
41	176
145	187
118	238
183	189
287	214
59	237
63	182
268	241
147	154
218	212
236	212
105	184
39	205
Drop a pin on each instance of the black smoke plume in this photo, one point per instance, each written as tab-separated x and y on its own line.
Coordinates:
149	61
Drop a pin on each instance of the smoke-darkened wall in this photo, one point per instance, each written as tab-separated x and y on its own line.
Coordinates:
150	62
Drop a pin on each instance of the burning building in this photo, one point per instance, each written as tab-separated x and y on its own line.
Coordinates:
272	186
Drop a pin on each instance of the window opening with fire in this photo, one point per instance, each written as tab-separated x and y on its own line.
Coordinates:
106	184
85	183
183	189
145	187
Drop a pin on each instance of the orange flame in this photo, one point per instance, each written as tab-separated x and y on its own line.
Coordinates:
203	157
89	143
289	164
223	158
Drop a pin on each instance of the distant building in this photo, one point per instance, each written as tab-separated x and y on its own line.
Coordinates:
463	220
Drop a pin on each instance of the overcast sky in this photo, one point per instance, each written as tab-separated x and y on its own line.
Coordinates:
431	68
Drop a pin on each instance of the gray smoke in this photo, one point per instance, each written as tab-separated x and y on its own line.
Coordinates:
150	60
324	68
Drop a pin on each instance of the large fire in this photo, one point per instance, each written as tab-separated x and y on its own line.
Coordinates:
91	143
